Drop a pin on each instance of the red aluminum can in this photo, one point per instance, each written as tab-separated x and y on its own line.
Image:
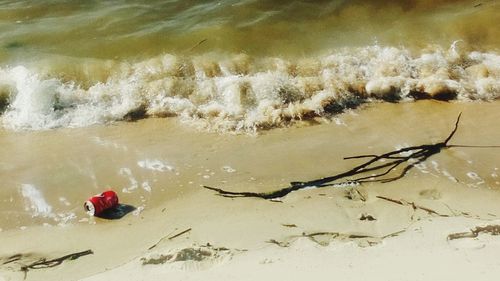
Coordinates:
101	202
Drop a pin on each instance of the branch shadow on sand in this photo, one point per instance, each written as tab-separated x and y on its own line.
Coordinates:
380	168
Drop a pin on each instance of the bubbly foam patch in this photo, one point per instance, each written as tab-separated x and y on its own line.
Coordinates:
243	93
228	169
35	202
133	183
108	143
146	186
155	165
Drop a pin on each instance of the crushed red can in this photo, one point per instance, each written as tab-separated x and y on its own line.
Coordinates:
101	202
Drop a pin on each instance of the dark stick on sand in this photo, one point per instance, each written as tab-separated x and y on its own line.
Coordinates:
413	205
169	237
489	229
179	234
43	263
383	164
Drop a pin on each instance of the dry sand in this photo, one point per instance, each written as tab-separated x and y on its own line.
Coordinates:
345	233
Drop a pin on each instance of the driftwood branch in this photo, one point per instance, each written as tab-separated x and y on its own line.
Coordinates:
383	165
490	229
43	263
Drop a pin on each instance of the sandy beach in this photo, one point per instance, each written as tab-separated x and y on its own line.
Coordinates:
179	230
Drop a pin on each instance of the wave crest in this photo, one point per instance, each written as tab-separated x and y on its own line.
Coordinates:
243	93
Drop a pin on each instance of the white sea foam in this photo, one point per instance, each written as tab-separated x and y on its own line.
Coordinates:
228	169
478	180
34	99
64	201
64	218
138	211
474	176
108	143
435	165
145	185
133	183
35	202
450	176
155	165
241	93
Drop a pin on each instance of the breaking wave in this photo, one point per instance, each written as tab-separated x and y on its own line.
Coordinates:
240	93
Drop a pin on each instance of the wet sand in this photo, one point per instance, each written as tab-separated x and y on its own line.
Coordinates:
159	166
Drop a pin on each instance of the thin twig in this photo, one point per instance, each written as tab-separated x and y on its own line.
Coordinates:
13	258
413	205
179	234
198	44
156	244
391	200
454	130
394	234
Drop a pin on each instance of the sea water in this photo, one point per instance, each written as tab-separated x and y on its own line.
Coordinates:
237	66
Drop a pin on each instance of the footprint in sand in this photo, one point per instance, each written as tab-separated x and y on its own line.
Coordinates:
431	194
192	258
